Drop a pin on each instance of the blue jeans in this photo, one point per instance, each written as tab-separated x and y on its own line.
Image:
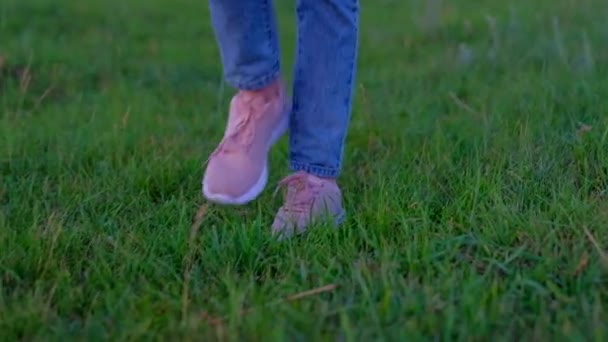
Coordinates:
323	87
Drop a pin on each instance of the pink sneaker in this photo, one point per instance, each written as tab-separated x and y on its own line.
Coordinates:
309	199
237	170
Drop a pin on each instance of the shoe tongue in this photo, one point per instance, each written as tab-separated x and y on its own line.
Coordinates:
314	181
239	112
245	106
297	193
252	100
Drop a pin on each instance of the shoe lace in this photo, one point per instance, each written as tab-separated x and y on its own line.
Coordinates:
243	132
301	193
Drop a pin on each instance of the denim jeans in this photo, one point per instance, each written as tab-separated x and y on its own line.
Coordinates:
325	67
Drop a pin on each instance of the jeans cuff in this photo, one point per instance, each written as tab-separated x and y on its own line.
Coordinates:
257	83
318	171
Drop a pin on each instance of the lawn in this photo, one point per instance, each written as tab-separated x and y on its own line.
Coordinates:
475	179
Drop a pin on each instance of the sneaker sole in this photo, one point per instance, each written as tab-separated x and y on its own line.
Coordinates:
259	186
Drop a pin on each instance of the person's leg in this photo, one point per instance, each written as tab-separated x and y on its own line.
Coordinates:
322	101
323	86
246	34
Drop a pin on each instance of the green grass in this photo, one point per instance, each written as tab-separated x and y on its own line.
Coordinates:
468	180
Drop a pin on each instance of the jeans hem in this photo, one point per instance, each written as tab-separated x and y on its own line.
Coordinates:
323	172
258	82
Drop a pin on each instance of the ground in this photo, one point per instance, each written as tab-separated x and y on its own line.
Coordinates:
475	179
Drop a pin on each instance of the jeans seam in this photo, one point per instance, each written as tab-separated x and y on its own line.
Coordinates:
296	105
272	44
351	77
349	82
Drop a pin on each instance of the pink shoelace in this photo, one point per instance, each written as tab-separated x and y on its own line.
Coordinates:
301	193
243	132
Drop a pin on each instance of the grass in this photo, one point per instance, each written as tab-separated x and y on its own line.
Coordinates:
476	180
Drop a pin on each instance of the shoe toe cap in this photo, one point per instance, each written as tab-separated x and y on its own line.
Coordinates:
230	177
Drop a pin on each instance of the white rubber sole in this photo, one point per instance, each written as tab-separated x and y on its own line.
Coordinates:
259	186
